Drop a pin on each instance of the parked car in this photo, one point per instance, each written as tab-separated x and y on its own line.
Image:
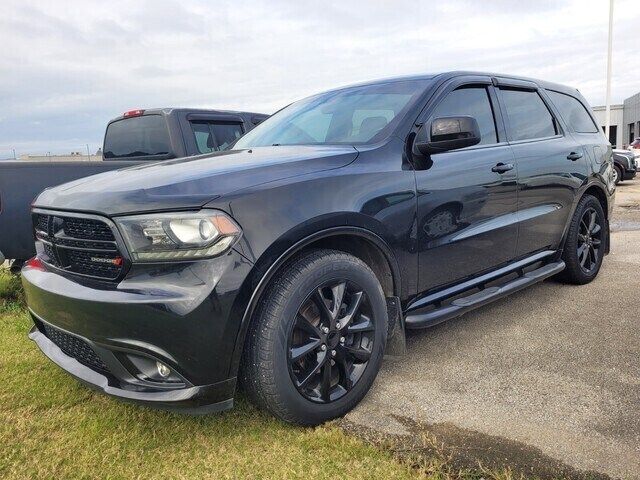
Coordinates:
292	260
135	137
624	165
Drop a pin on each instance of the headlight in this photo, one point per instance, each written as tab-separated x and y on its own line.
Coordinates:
178	236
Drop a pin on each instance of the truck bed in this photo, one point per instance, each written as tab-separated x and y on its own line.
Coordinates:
21	182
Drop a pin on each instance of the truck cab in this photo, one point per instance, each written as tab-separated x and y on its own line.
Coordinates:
135	137
164	133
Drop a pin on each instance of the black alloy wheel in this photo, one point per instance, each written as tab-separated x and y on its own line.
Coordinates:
331	341
589	240
317	340
586	242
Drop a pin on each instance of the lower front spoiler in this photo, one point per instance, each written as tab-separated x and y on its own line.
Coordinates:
195	400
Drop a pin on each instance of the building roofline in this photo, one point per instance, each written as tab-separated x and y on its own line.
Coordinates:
603	107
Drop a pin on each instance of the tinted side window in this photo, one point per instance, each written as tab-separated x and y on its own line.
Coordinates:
573	112
473	101
528	116
137	137
226	133
204	139
214	136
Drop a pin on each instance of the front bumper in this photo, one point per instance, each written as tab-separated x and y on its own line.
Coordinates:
178	314
629	174
194	399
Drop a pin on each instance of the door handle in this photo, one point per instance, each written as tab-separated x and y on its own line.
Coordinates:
502	167
573	156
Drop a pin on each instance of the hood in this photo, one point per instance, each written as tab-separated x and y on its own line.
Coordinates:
189	183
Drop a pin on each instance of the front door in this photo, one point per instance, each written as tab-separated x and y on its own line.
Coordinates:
467	202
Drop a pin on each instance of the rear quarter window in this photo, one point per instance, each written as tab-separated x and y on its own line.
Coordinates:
137	137
215	136
573	112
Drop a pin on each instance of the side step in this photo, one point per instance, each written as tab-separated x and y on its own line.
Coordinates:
462	305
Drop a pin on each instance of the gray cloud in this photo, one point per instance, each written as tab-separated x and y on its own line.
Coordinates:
66	69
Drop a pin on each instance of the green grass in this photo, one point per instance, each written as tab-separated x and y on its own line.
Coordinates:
53	427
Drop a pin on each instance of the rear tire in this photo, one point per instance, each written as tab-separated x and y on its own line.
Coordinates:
306	363
586	242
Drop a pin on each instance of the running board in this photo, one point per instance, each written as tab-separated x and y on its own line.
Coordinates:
462	305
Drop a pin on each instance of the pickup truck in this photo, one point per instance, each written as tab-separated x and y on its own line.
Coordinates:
136	136
624	165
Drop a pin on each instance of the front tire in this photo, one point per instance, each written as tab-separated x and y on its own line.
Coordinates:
617	174
586	242
317	342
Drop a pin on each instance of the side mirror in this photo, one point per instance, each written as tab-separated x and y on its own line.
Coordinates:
447	133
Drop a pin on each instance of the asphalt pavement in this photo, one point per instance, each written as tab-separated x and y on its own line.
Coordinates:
546	381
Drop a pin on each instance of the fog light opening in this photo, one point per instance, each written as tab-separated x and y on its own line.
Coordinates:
163	370
152	370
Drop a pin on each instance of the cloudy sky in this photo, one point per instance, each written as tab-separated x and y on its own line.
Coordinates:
67	67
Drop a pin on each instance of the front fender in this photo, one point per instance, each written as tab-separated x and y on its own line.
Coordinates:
284	249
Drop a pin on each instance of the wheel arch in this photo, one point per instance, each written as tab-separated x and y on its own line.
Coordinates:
597	190
358	241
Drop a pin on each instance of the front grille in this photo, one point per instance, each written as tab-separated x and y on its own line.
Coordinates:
42	223
87	229
50	253
74	347
90	263
82	246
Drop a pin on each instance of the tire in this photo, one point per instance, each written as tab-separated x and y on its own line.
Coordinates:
279	333
585	245
16	266
618	174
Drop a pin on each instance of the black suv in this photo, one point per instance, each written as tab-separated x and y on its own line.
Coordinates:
293	260
624	166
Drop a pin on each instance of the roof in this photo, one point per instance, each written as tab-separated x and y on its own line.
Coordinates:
456	73
169	110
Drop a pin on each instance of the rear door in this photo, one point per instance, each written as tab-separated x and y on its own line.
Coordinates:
577	117
466	207
550	162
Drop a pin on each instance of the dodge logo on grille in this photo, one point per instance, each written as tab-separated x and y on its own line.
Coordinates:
112	261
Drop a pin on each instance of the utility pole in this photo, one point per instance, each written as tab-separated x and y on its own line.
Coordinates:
88	154
607	114
14	154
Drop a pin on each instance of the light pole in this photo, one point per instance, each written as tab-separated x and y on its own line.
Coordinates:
607	114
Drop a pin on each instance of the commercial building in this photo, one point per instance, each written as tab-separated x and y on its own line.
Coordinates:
625	121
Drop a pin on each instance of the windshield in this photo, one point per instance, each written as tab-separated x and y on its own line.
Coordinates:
137	137
352	116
